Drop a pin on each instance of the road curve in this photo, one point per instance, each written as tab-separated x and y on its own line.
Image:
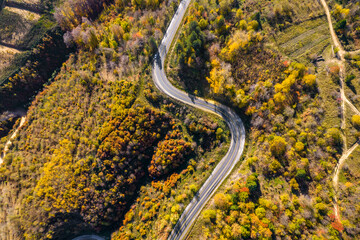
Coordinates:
89	237
234	122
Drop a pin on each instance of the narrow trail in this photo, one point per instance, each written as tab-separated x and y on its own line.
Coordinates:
8	143
341	163
4	49
344	100
352	106
354	52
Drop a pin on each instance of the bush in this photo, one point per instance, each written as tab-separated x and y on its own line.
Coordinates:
222	201
278	146
356	120
349	78
299	146
310	80
334	137
209	214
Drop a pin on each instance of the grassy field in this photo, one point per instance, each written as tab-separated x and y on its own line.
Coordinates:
15	24
330	94
299	42
353	163
350	131
349	188
6	55
352	87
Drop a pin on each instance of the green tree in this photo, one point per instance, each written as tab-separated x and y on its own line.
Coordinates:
340	25
333	136
252	183
152	46
301	175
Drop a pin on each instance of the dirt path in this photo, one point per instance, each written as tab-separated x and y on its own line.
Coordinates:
341	163
332	31
346	152
352	106
4	49
8	143
355	52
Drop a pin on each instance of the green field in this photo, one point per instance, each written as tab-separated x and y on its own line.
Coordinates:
300	42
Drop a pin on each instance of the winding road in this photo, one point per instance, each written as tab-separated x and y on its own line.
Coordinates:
234	122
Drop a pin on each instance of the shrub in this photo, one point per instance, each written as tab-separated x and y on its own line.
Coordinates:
356	120
222	201
209	214
278	146
299	146
310	80
333	136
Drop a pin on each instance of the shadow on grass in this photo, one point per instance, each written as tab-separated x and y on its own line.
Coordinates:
9	23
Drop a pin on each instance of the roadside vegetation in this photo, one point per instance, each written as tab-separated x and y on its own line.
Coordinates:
275	66
347	22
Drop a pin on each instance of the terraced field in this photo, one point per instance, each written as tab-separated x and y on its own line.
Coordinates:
15	24
21	26
303	40
7	54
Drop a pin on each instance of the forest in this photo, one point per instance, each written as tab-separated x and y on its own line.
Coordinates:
284	188
103	152
99	135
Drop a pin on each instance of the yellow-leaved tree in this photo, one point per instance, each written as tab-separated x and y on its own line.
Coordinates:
218	76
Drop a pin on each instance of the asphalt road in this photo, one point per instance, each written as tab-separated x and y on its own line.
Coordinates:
89	237
234	122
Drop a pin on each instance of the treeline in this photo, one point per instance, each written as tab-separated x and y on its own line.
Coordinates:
75	17
69	15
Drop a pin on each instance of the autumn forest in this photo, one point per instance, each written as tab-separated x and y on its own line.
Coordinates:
91	145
